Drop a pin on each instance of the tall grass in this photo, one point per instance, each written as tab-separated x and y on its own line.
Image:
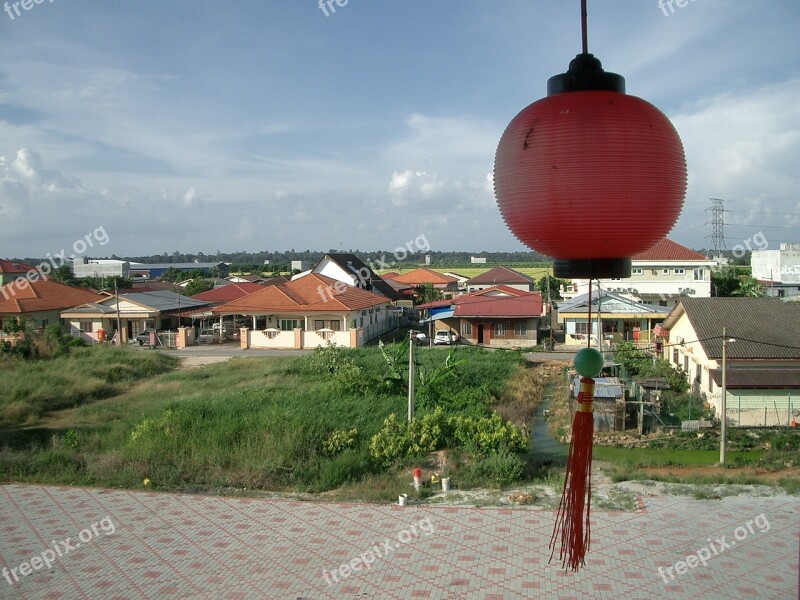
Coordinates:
34	388
256	423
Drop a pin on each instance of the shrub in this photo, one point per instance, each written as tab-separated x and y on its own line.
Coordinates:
339	441
501	468
487	435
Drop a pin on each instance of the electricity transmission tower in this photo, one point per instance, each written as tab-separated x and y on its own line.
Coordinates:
717	222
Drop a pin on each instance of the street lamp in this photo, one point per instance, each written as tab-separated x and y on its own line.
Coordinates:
724	428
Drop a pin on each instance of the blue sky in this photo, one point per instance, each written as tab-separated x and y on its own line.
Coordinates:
263	125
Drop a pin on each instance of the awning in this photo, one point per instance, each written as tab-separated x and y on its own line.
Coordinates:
445	314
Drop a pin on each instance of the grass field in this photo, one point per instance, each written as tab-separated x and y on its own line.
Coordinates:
251	423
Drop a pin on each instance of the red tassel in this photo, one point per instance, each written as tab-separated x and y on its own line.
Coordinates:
570	520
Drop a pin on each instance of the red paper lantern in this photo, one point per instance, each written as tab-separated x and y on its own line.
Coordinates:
589	175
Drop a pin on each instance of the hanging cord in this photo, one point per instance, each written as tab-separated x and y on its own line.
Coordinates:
584	27
589	324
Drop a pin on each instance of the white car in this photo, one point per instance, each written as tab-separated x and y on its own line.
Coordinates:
445	337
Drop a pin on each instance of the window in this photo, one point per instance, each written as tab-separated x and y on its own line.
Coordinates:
581	328
636	271
699	274
710	385
520	329
87	326
675	356
466	328
500	329
289	324
665	271
679	271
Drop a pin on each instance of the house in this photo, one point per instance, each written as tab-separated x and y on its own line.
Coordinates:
350	269
300	265
608	408
423	276
622	318
498	317
309	312
83	267
763	371
138	311
39	303
778	270
501	276
11	270
246	279
152	271
661	275
461	281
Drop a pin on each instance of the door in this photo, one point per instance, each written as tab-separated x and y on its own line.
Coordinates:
480	333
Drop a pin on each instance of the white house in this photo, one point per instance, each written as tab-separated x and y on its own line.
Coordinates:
351	270
84	267
661	275
778	270
763	373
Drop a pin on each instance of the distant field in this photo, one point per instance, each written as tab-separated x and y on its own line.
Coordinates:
535	272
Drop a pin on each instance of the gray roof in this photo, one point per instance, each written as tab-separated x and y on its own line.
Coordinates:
605	388
764	328
354	265
93	308
578	304
164	301
758	378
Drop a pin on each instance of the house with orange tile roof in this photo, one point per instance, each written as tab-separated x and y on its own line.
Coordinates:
309	312
499	316
500	276
12	269
39	303
660	276
423	276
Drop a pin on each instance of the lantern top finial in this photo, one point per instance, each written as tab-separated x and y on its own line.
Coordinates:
585	70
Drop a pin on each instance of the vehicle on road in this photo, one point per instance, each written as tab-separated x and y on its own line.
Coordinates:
419	337
445	337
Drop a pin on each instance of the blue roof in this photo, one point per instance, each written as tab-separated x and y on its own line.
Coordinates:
445	314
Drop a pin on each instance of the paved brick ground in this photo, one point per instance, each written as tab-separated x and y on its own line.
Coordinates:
180	546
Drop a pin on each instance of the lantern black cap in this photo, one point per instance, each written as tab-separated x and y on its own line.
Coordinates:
592	268
585	74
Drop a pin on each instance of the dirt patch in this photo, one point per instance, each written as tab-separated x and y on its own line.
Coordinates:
193	362
714	471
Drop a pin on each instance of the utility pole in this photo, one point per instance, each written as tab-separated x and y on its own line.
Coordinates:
599	316
119	326
410	376
724	428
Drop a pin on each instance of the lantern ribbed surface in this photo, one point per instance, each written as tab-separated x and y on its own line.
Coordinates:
590	174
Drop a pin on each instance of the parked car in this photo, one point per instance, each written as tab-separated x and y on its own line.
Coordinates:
208	336
445	337
143	337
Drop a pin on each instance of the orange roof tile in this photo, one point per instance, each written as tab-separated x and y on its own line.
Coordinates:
13	266
422	276
666	249
311	293
43	295
227	293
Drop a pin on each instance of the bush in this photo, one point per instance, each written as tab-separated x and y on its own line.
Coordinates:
502	468
339	441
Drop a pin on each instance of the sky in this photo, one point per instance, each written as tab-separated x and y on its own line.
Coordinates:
199	126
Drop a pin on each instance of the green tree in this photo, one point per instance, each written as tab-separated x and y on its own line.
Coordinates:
555	287
748	288
638	364
197	286
427	293
63	274
172	274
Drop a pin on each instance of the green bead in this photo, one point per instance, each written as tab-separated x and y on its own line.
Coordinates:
588	362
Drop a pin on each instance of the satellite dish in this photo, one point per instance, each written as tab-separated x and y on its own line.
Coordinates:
796	412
